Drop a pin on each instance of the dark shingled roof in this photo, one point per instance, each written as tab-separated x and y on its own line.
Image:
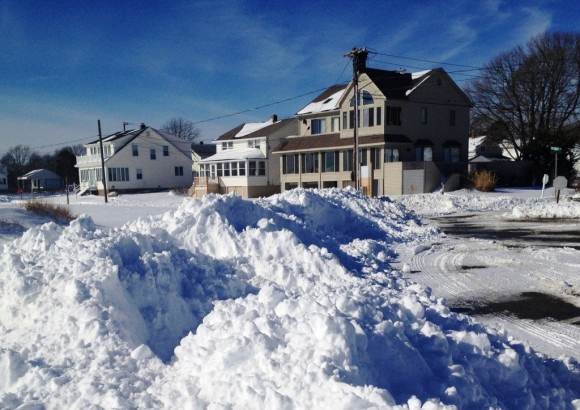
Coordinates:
262	132
392	84
204	150
329	92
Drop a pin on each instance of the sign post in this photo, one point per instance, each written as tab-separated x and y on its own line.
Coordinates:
556	151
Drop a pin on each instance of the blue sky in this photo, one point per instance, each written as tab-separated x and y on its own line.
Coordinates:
65	64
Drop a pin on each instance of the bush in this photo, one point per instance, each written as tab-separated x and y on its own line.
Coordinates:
58	213
484	181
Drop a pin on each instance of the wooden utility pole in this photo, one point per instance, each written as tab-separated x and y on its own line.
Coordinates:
359	59
104	179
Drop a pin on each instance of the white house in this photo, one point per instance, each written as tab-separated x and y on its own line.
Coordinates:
3	178
244	162
40	180
136	160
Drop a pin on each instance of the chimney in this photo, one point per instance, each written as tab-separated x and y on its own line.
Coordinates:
274	118
143	126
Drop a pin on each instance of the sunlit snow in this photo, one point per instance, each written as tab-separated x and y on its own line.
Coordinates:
291	301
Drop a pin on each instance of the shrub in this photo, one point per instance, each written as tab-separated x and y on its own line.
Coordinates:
484	181
58	213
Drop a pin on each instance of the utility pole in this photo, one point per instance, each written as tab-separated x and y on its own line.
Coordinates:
104	179
359	60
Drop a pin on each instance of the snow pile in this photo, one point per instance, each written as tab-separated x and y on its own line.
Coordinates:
286	302
466	201
551	210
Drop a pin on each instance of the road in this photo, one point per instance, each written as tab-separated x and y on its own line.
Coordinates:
522	276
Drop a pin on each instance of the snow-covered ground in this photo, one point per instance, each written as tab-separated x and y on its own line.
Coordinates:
308	299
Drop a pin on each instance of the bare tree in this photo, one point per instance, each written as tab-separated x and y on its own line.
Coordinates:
526	97
182	128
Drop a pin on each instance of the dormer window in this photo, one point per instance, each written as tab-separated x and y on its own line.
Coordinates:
227	145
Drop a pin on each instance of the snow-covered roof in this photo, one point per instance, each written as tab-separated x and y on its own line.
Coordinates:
236	155
40	174
253	127
327	104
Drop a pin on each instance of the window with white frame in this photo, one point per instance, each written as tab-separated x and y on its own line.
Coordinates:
118	174
330	161
152	153
262	168
290	164
139	173
241	168
227	145
347	160
254	143
166	150
135	148
335	124
318	126
310	162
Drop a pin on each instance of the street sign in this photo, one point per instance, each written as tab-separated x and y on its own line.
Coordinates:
545	179
556	149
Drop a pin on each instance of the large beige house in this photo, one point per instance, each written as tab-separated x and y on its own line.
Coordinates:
413	131
136	160
244	162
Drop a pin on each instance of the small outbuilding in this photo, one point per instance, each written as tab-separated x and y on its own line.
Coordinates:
40	180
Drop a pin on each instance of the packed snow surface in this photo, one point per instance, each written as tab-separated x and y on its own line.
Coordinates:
277	303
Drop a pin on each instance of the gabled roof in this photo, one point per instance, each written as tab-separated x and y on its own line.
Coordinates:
40	174
393	84
180	144
254	130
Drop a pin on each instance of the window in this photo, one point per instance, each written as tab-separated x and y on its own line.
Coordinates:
368	117
379	115
376	158
253	143
226	166
242	168
344	120
290	164
152	153
318	126
179	171
451	154
367	98
262	168
423	153
452	118
392	155
227	145
252	168
166	150
423	115
118	174
347	160
362	157
139	173
393	115
310	162
330	161
219	170
335	124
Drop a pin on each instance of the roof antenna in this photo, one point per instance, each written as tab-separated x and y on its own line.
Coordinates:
125	125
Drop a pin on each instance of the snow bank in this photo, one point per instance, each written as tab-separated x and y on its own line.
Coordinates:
286	302
551	210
